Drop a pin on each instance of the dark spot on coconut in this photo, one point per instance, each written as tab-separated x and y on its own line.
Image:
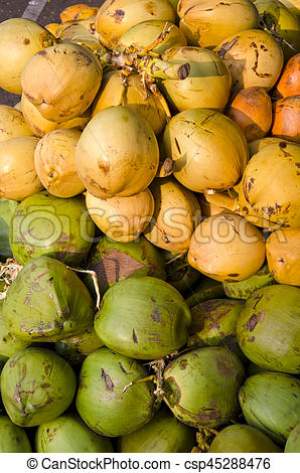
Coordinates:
253	321
281	260
208	415
227	46
155	315
42	53
233	275
45	385
282	144
26	41
224	367
183	364
250	183
183	71
81	97
251	339
177	146
119	15
134	336
107	380
104	166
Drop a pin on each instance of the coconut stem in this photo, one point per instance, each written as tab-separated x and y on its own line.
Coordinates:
8	273
204	438
93	275
139	381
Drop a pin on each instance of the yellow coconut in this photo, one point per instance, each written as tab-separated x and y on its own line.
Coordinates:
54	29
286	122
122	218
257	145
62	81
209	149
226	247
12	123
82	33
289	82
132	94
117	17
20	39
208	22
54	159
40	125
253	57
283	254
269	193
176	214
117	154
77	12
18	178
207	85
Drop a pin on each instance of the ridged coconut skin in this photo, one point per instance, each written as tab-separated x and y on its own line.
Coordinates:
36	386
271	403
201	386
208	84
244	289
68	434
268	328
45	225
9	344
13	439
7	210
163	434
75	349
241	438
209	149
152	318
283	254
293	442
114	261
101	400
12	123
47	302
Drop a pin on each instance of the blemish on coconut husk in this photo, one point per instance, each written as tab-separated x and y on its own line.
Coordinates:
107	379
119	15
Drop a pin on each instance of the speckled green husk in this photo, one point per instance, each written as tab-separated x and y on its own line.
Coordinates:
9	344
36	386
163	434
241	438
268	328
101	400
13	439
68	434
271	402
47	225
180	274
114	261
75	349
143	318
47	302
7	210
293	442
207	289
244	289
201	386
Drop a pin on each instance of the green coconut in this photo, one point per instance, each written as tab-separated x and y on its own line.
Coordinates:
9	344
180	274
151	317
271	403
13	439
163	434
68	434
268	328
244	289
201	386
293	442
240	438
106	400
36	386
7	210
47	225
206	290
47	302
114	261
76	349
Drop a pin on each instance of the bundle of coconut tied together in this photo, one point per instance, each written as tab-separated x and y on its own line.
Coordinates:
149	228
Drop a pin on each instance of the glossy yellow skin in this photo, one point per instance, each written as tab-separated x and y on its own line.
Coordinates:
283	254
12	123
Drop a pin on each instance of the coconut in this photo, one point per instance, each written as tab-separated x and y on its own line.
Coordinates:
226	247
240	438
254	58
109	391
75	349
207	85
18	178
272	314
82	33
176	215
283	254
269	192
115	18
67	305
20	40
201	386
271	403
77	12
209	149
121	218
151	316
289	82
244	289
257	145
286	123
208	22
251	109
13	439
62	81
68	434
293	442
46	225
7	210
12	124
54	160
131	92
163	434
123	167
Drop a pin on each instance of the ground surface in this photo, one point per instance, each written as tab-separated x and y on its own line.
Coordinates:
42	11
